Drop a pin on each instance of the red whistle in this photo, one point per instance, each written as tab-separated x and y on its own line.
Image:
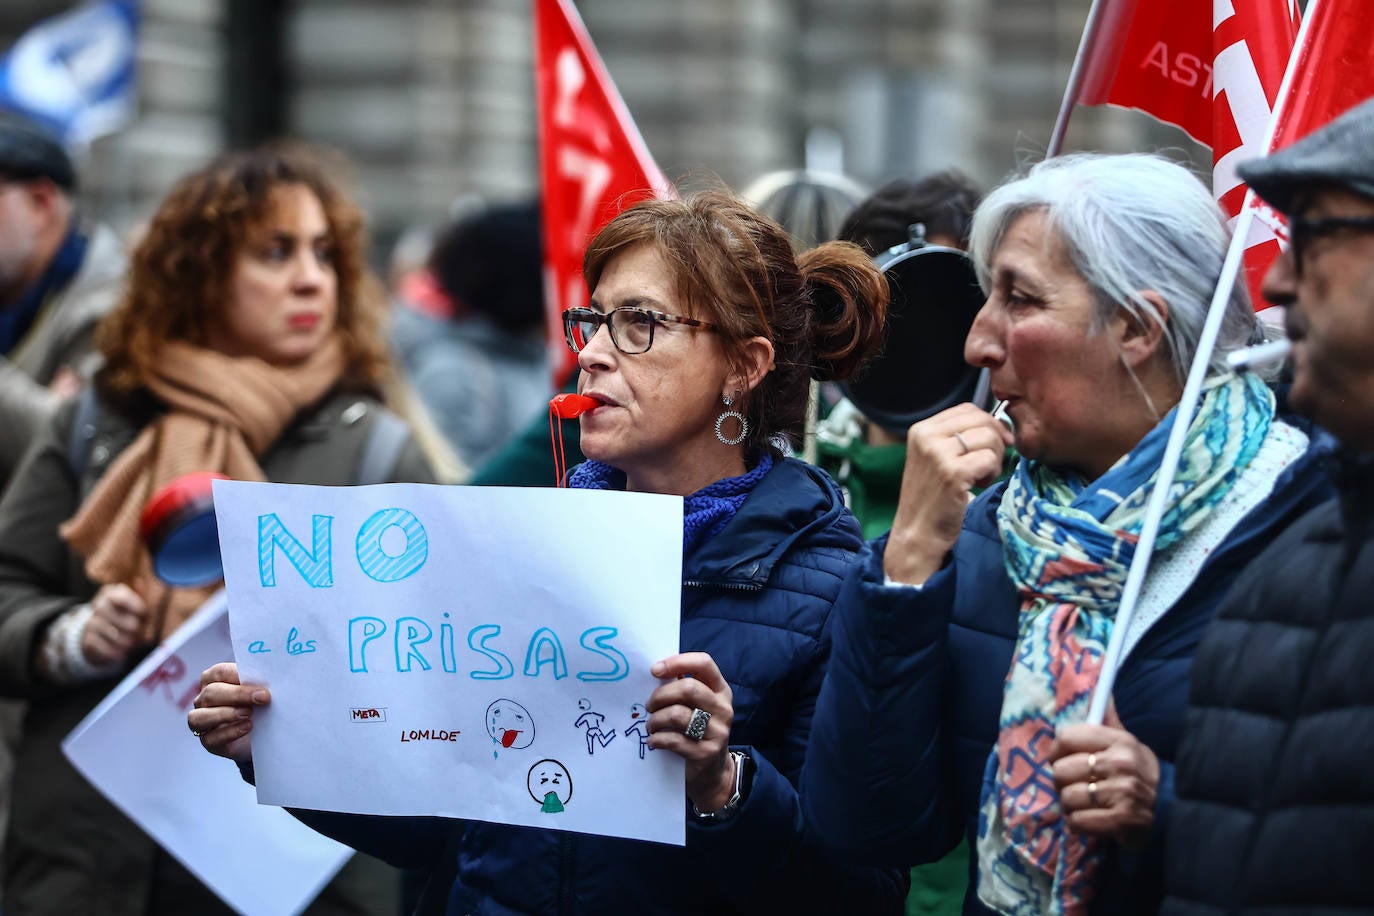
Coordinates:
572	406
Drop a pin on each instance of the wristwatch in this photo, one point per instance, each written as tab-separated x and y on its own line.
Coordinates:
743	775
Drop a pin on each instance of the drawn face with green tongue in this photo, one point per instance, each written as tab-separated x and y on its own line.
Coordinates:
550	785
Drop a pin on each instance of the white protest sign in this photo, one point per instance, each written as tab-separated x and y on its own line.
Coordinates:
467	652
136	749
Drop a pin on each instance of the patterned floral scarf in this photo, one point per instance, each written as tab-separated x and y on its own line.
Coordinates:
1067	546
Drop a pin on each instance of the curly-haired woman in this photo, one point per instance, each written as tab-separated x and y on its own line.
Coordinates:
247	342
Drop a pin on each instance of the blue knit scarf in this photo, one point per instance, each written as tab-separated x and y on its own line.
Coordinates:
704	513
16	320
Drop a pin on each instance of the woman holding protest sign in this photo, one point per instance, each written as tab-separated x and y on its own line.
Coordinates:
702	334
247	343
973	638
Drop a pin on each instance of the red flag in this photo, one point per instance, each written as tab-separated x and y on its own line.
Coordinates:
1213	69
592	160
1332	72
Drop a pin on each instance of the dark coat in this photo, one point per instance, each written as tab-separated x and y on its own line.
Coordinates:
1275	813
909	711
757	597
68	850
62	335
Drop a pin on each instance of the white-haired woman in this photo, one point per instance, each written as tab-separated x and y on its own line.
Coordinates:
966	653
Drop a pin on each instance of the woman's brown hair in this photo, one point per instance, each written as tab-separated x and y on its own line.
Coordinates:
180	270
822	310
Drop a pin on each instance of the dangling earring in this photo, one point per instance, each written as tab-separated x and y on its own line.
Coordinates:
731	414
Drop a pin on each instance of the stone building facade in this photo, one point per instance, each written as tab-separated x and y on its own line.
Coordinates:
434	99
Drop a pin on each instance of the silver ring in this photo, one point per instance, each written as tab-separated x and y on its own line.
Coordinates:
1092	794
963	443
696	728
194	732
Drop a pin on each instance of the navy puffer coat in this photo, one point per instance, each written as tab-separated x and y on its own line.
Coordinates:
909	711
757	597
1276	798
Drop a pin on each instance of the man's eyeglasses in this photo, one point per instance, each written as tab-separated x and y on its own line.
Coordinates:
632	328
1303	232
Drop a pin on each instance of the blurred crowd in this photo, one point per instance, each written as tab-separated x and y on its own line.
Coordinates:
918	432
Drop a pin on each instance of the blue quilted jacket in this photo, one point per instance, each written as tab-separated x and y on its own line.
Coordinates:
757	597
909	710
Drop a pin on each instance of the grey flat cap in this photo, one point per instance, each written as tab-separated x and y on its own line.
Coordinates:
28	152
1341	153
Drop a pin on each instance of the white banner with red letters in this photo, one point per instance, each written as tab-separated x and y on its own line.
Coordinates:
136	748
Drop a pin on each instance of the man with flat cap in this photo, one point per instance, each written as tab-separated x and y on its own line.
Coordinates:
1275	772
57	278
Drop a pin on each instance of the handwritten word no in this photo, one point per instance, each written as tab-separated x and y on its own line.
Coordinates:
543	650
316	564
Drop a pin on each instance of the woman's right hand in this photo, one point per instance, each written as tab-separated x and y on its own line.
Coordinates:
222	714
947	455
112	632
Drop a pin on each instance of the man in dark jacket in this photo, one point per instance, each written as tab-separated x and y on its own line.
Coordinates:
57	279
1276	799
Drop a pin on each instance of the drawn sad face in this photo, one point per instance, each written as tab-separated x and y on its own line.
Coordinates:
509	724
550	785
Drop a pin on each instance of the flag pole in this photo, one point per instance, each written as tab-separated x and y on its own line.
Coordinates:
1076	75
1187	406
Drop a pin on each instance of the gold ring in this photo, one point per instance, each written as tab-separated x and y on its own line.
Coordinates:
963	443
1092	794
1092	768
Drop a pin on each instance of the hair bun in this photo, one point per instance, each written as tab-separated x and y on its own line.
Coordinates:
848	295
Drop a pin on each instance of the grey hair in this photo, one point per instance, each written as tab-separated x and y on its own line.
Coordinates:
1129	223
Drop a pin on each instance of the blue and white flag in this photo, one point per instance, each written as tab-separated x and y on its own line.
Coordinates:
75	72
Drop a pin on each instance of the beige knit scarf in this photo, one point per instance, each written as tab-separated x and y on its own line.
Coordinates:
223	413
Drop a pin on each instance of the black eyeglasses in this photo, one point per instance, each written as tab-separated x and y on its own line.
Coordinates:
632	328
1303	232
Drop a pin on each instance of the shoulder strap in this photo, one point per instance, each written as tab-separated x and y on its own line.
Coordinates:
83	431
385	440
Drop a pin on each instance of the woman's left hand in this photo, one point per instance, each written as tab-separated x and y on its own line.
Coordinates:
1106	780
699	685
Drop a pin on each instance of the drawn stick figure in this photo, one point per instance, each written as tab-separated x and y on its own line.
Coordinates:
640	727
592	722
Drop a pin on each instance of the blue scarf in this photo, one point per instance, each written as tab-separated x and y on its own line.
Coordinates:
16	320
1067	546
704	513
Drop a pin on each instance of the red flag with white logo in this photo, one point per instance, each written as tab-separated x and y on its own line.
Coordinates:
592	160
1213	69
